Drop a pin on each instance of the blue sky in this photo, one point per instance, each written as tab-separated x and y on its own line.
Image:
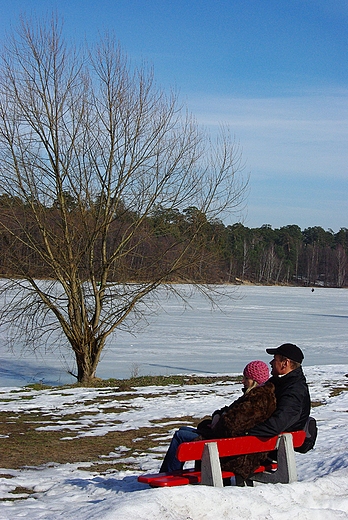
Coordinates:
275	71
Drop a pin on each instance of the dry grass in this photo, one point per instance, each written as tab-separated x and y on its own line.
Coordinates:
129	384
22	444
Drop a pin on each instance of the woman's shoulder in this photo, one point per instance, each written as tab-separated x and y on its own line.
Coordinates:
265	389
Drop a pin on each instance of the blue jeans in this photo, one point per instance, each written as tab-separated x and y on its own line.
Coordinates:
170	462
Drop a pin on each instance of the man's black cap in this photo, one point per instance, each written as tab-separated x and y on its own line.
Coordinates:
287	350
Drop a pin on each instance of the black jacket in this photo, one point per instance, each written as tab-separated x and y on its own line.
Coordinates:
293	405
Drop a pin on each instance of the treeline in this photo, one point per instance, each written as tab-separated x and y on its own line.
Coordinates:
223	254
289	255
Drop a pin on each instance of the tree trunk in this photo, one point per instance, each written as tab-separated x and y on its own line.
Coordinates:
87	359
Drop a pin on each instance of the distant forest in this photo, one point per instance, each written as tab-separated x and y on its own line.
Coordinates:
228	254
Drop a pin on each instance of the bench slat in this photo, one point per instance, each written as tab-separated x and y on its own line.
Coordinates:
234	446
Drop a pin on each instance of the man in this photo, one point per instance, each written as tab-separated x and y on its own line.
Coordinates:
291	390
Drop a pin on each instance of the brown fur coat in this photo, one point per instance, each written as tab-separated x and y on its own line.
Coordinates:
249	410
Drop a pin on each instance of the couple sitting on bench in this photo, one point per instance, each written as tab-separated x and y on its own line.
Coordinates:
268	407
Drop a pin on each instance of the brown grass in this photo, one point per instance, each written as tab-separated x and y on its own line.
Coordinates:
22	444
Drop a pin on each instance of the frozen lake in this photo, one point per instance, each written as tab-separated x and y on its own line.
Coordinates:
197	339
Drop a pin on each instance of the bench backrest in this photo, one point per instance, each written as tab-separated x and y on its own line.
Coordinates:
235	446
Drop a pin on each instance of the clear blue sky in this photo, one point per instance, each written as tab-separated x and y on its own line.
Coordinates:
275	71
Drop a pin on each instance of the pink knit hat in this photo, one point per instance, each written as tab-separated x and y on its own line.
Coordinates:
257	371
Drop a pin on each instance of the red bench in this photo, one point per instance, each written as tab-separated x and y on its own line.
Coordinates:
209	452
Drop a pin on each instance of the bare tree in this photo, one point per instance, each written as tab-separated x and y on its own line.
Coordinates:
90	147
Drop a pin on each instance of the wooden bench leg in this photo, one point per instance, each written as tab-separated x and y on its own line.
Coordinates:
211	469
286	472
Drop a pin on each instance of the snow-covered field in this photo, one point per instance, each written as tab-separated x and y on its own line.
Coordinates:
206	342
69	492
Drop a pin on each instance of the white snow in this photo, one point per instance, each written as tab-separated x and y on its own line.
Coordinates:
68	491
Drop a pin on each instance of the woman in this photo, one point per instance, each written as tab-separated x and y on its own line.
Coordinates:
255	405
